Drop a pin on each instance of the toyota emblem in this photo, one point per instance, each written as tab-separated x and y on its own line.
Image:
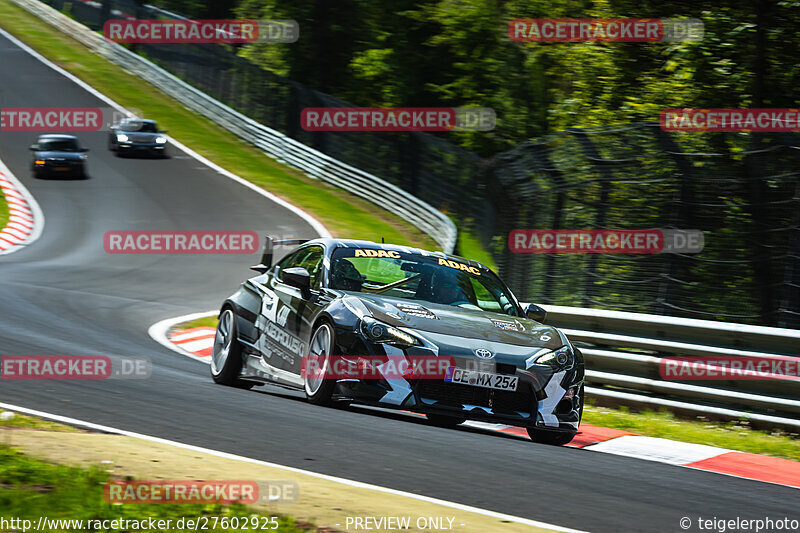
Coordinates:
483	353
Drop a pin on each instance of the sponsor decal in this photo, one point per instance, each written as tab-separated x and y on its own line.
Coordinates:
277	341
282	315
73	367
377	253
730	120
508	326
730	367
180	242
201	31
199	492
610	30
397	119
460	266
606	241
416	310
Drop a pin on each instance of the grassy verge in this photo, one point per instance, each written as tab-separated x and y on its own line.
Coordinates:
342	213
3	211
206	322
31	488
469	247
731	435
30	422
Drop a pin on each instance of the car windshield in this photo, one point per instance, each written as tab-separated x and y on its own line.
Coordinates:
142	127
418	277
58	145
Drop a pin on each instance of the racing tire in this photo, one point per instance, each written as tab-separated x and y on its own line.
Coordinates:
319	391
553	438
444	421
226	354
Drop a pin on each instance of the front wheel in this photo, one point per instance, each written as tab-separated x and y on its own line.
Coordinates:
226	355
319	390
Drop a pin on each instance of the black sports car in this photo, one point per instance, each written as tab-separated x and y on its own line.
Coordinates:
357	321
58	155
137	136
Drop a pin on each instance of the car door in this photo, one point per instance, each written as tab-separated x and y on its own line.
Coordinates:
289	329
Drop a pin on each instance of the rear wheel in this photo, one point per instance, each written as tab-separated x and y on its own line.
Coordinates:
444	421
319	390
226	355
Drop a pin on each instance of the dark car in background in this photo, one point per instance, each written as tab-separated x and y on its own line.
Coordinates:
349	306
58	155
137	136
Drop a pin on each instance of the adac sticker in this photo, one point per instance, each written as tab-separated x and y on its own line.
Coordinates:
460	266
377	253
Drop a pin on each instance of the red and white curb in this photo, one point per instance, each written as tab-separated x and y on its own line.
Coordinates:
197	343
25	220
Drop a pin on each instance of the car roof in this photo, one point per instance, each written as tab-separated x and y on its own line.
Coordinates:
143	120
57	136
355	243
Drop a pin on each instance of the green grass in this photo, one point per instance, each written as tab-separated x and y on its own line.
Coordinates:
470	248
206	322
342	213
31	488
3	211
31	422
732	435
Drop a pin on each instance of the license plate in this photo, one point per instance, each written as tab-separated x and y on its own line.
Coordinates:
61	169
487	380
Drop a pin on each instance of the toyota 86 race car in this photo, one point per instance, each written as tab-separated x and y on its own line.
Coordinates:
392	326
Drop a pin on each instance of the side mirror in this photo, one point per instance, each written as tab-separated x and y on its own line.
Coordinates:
162	131
298	277
83	150
34	147
534	312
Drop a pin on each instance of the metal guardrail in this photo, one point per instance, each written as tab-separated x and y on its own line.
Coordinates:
623	353
285	149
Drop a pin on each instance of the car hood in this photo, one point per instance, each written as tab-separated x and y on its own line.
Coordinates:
465	323
65	156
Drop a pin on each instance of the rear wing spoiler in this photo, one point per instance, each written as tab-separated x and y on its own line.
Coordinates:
269	244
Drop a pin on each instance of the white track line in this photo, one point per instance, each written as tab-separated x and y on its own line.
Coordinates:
343	481
313	222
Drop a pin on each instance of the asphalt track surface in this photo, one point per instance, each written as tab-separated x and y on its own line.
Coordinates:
64	295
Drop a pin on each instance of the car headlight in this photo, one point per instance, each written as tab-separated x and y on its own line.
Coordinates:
379	332
122	138
562	359
83	157
161	140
